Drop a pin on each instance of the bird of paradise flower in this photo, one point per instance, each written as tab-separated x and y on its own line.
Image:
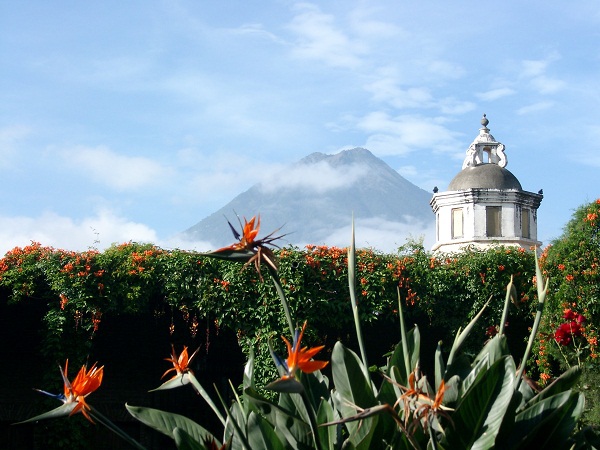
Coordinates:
300	359
249	249
181	367
75	392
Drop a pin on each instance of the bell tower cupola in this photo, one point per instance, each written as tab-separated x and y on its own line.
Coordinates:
485	204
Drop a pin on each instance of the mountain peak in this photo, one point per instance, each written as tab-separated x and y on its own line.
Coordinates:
319	194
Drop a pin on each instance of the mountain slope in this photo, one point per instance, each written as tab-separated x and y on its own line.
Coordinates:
317	196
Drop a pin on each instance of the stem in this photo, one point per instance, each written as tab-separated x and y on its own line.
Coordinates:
403	337
284	302
542	289
202	392
103	420
354	302
312	419
509	290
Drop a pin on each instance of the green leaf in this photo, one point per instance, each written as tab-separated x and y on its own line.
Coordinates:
287	385
327	434
353	391
462	336
178	380
494	349
166	422
349	379
261	434
231	255
185	442
563	383
548	423
479	414
63	410
413	348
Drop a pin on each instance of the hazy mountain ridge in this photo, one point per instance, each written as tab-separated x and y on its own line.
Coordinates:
315	197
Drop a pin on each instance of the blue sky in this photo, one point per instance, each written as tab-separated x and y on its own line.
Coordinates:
134	120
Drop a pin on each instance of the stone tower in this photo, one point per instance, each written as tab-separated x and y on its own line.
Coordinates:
485	204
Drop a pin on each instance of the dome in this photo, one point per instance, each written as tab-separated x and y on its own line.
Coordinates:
484	176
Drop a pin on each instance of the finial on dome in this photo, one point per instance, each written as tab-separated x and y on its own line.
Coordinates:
484	121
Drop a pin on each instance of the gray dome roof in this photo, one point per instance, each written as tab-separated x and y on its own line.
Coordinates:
484	176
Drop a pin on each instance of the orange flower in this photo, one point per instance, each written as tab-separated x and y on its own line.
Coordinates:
248	248
86	382
180	364
300	358
74	393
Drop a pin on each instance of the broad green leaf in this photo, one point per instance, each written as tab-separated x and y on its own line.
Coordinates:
494	349
289	416
261	434
293	430
316	387
63	410
349	380
235	425
461	336
240	255
177	381
563	383
166	422
236	420
548	423
479	414
413	348
286	385
327	434
185	442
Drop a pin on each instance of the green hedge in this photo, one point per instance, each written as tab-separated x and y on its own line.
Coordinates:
79	289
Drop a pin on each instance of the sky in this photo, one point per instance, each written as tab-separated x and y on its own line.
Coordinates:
132	121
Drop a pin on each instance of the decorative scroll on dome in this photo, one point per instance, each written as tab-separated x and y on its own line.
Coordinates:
485	144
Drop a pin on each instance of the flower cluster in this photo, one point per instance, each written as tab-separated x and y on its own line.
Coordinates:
568	330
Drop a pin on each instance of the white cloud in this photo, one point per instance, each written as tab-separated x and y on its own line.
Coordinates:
117	171
319	178
382	235
405	134
452	106
50	229
547	85
536	70
495	94
535	107
531	68
386	90
320	39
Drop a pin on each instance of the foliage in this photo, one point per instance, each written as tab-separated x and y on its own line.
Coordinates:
78	289
475	402
473	399
569	331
